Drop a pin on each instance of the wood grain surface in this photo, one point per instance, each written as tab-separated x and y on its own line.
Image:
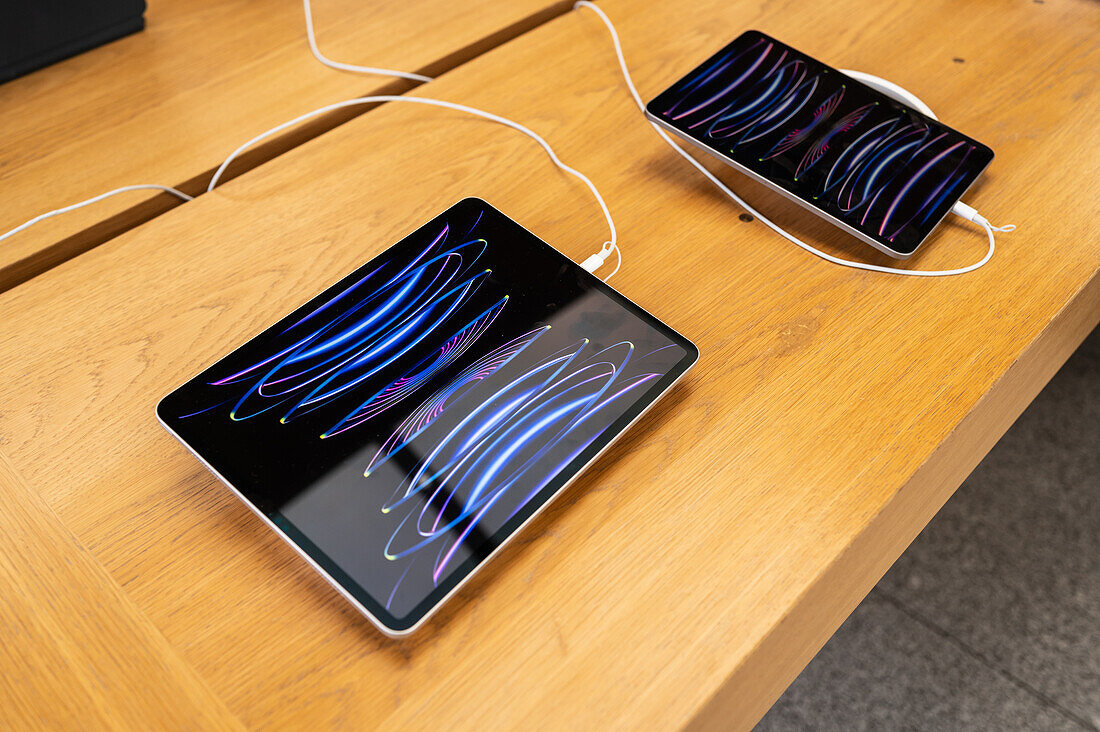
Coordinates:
168	104
689	575
76	653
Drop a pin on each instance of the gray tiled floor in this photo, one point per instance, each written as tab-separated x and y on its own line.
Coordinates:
991	619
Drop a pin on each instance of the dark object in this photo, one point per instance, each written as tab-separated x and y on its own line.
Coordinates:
870	165
37	33
401	426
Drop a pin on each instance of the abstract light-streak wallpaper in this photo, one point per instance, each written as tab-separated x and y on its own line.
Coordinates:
403	423
835	143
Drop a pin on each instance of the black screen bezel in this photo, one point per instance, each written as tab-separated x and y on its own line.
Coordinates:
662	100
375	609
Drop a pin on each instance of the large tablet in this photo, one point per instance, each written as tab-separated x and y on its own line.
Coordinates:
878	169
401	426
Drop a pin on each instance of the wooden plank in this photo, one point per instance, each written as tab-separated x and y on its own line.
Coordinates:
77	654
167	105
690	574
784	651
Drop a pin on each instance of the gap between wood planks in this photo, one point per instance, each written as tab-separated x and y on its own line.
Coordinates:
69	247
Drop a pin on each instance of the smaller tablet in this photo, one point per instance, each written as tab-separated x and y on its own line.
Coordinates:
872	166
401	426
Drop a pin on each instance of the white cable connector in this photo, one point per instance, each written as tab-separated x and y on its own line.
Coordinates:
989	228
312	38
594	262
970	214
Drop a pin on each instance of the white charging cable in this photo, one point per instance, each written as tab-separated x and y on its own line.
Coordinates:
960	208
590	264
891	89
95	199
311	36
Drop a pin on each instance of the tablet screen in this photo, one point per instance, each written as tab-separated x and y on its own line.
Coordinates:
877	167
401	425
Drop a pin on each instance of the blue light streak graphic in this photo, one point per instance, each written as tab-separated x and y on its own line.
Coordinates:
476	446
501	454
763	94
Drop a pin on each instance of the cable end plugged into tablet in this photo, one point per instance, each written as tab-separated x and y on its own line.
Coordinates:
971	214
596	261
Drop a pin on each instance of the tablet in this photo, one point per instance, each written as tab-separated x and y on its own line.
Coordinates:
870	165
401	426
